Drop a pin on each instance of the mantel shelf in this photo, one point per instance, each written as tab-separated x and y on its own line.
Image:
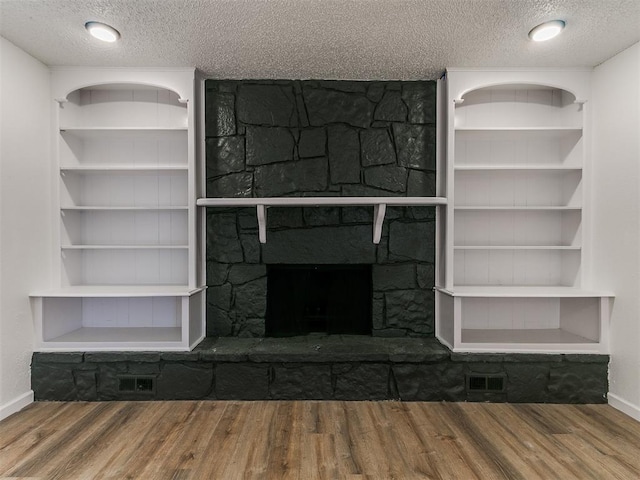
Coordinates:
379	205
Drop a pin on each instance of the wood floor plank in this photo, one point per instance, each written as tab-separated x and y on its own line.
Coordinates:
318	440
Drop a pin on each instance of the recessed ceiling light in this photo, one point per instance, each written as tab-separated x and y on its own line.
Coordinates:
102	31
546	31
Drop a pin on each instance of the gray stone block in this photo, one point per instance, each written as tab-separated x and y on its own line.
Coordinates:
415	146
247	219
250	299
242	381
366	191
421	184
192	356
527	382
376	147
185	381
340	85
301	382
393	277
281	179
250	327
377	312
389	333
219	322
269	145
117	357
426	276
222	238
391	108
387	177
585	358
329	106
412	241
267	105
477	357
250	248
437	382
375	91
234	185
344	154
217	273
220	117
229	349
108	382
320	245
578	383
86	385
53	382
57	357
357	215
239	274
416	350
224	155
420	97
220	296
318	216
284	217
312	143
363	381
410	309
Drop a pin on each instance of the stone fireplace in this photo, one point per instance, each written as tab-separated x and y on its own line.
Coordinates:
320	138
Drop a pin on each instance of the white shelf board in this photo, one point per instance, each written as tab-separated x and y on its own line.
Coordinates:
379	203
517	247
128	169
483	208
523	336
542	129
124	209
491	291
103	132
124	247
120	335
514	167
117	291
320	201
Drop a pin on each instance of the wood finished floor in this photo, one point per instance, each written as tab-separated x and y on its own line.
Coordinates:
318	440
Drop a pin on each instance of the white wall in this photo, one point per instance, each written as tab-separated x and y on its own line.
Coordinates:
616	207
25	215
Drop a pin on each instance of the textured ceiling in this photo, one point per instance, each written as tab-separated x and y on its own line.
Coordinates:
331	39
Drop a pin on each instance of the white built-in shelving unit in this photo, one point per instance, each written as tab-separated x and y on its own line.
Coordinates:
516	227
125	203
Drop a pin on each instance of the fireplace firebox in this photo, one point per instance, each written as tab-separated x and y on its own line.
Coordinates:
332	299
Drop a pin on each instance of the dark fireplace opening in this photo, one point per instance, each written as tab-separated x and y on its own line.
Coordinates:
304	299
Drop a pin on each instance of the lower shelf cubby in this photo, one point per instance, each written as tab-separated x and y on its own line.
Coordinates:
108	318
524	319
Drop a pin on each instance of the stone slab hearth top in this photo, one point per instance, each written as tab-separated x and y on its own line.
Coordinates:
322	348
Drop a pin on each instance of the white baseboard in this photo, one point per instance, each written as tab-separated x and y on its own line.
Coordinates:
16	404
625	407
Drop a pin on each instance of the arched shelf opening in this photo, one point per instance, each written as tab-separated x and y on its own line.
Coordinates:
123	106
518	106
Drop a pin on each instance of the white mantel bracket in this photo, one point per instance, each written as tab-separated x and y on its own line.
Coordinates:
379	206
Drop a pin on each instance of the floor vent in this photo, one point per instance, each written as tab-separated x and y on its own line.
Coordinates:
486	382
137	383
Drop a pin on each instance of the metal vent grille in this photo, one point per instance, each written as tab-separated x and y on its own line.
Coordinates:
486	382
136	384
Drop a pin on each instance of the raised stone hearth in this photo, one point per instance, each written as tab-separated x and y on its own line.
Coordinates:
321	367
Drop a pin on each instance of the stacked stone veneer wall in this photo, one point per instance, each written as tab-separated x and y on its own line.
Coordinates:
320	138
